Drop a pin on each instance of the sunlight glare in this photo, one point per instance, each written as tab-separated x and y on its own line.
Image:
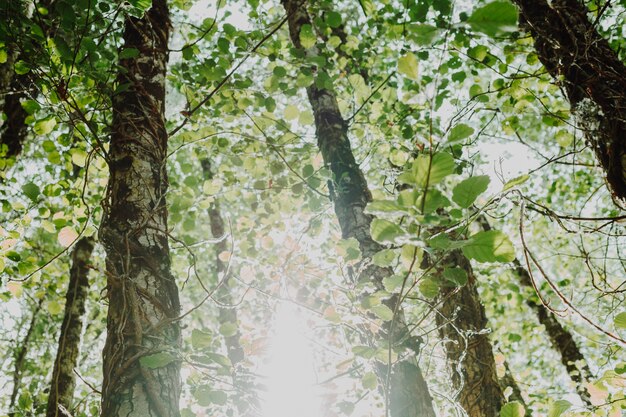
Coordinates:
291	384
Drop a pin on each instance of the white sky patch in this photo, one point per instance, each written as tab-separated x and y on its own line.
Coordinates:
508	160
291	378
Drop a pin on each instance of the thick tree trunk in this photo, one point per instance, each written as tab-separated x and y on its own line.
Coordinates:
461	319
594	78
141	364
13	89
561	339
408	394
63	379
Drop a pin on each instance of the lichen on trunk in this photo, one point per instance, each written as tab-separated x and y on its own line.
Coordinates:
141	355
63	378
462	326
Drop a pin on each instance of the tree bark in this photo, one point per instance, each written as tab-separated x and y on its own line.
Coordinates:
508	381
227	312
561	339
140	359
20	357
407	393
461	319
594	78
63	379
13	89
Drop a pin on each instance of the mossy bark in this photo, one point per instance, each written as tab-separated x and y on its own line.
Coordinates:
591	73
462	325
141	290
63	378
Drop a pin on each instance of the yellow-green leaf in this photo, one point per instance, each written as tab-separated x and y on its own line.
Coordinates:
408	66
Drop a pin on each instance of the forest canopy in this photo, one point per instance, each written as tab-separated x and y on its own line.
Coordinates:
281	208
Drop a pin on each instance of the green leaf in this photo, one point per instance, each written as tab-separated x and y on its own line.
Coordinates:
407	65
333	19
206	397
128	53
460	132
30	106
158	360
393	283
383	312
31	190
44	126
348	249
79	157
559	407
457	276
495	18
429	288
291	112
384	258
466	192
3	56
489	246
620	320
307	36
515	182
383	206
21	68
424	172
512	409
54	308
369	380
200	339
228	329
384	230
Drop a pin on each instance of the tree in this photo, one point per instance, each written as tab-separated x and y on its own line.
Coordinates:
141	370
307	185
570	47
405	389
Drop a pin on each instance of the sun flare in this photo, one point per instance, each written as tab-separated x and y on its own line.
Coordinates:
291	379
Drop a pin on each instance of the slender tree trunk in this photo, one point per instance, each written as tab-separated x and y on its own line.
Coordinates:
140	360
63	379
561	339
508	381
407	392
20	357
461	319
227	312
593	77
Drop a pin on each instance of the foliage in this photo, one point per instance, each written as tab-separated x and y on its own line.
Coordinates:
442	101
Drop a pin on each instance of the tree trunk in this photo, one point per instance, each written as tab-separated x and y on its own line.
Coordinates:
63	379
20	357
594	78
13	89
461	319
140	360
227	312
508	381
407	392
561	339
